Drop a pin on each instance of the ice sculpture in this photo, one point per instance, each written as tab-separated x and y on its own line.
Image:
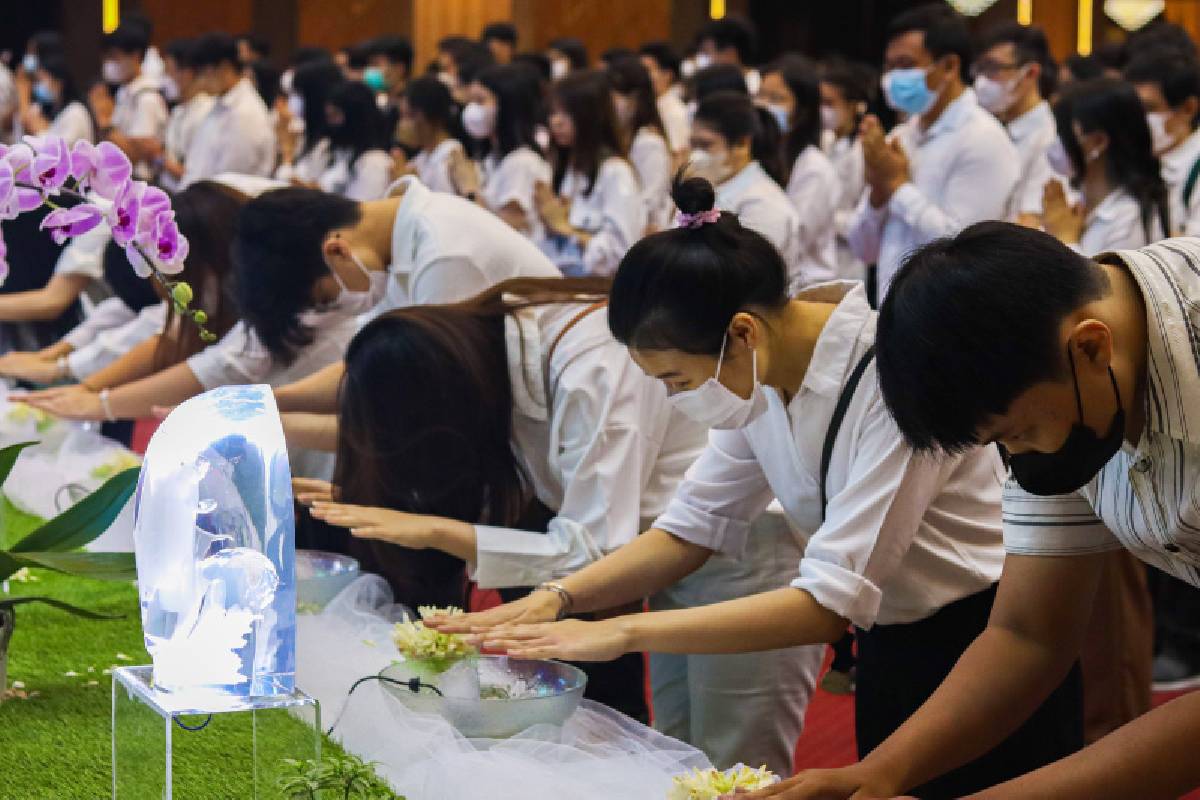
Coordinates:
214	535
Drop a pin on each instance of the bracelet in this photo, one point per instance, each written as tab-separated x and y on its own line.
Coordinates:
108	414
567	600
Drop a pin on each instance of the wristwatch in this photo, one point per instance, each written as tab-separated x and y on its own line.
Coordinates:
568	601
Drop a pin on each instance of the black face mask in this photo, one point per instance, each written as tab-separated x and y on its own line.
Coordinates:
1080	458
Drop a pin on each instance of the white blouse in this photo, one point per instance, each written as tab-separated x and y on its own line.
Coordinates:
763	207
366	179
612	212
814	189
1115	224
511	179
433	166
73	123
651	158
601	444
846	155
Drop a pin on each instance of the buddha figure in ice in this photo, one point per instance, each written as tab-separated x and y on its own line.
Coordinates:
215	538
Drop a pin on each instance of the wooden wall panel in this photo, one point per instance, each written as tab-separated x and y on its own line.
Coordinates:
601	25
174	19
1057	19
1185	13
436	19
337	23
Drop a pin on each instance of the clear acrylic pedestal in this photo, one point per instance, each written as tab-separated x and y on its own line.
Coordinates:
181	746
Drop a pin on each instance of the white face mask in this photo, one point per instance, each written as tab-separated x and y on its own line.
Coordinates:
559	69
994	96
1060	162
113	72
781	115
713	405
703	61
296	105
353	302
703	164
830	119
479	120
1160	140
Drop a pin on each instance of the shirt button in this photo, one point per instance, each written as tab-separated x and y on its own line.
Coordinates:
1171	547
1142	465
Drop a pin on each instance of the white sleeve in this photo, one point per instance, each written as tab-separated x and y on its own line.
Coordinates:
84	255
624	218
652	160
149	118
370	177
109	313
446	280
513	181
604	460
977	187
238	358
721	494
111	344
1062	525
815	196
870	523
864	233
1123	231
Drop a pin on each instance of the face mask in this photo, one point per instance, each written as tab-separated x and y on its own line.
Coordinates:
296	106
703	61
374	79
479	120
1080	458
703	164
285	81
113	72
780	113
541	135
1060	162
559	69
447	80
906	90
170	90
712	404
1160	140
995	96
831	120
29	63
43	94
354	303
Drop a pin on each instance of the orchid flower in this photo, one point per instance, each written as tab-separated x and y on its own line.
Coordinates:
103	168
66	223
51	162
18	192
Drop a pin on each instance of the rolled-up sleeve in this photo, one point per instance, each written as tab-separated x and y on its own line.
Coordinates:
623	220
109	345
1059	525
109	313
871	522
237	359
722	493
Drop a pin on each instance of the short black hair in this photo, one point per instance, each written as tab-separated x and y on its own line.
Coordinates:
266	80
309	54
472	59
663	54
944	30
1084	68
396	49
1030	47
970	322
277	260
128	38
500	31
215	48
574	49
257	43
1176	74
717	78
732	31
182	52
678	289
735	116
614	54
538	62
1158	36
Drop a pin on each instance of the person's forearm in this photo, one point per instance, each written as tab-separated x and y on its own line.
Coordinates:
167	388
46	303
60	348
311	431
1152	757
768	621
138	148
651	562
995	686
316	394
137	363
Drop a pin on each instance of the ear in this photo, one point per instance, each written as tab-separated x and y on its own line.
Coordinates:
334	246
1091	343
1035	71
950	65
746	330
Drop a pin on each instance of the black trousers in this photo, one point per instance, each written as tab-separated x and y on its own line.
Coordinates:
900	666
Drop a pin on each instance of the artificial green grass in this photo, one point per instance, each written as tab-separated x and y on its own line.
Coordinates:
56	744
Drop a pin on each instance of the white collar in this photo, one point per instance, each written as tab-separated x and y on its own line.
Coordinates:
749	175
830	362
953	117
235	93
1178	162
1109	207
1031	121
526	372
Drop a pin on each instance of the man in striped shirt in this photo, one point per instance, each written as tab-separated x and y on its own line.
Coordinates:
1088	373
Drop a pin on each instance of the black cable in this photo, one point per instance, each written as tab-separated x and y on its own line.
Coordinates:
191	729
415	685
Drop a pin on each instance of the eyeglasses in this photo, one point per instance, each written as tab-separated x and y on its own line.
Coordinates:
992	68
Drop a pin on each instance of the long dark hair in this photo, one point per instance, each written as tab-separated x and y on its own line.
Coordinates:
800	75
679	288
518	106
56	67
584	97
425	406
206	213
363	127
628	76
433	100
315	81
735	116
1113	106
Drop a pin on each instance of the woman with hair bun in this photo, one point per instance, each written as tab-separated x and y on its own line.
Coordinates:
906	548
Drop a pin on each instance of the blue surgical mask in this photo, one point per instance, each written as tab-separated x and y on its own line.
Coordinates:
906	90
780	113
29	63
374	79
42	93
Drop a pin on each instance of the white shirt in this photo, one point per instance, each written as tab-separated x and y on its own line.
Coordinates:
84	254
236	136
651	159
904	534
433	166
511	180
845	153
139	110
109	332
184	122
612	212
367	179
601	444
308	166
1147	498
963	168
763	207
1176	166
1115	224
673	112
1032	134
73	123
446	249
814	190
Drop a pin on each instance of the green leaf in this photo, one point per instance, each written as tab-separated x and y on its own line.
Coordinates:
101	566
7	566
84	521
8	457
59	604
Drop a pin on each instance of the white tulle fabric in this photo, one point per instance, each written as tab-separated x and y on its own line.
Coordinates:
598	755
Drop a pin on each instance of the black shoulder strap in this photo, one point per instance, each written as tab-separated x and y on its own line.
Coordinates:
1189	185
835	424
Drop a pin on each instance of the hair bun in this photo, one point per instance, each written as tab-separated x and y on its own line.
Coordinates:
692	195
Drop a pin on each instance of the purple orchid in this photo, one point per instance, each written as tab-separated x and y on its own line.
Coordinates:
51	162
64	223
18	192
170	246
103	168
124	215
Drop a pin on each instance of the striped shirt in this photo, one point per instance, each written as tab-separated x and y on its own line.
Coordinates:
1147	498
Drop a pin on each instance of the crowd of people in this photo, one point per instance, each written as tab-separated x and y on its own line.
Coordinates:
601	332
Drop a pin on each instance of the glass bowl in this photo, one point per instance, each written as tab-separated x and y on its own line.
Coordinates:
321	575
